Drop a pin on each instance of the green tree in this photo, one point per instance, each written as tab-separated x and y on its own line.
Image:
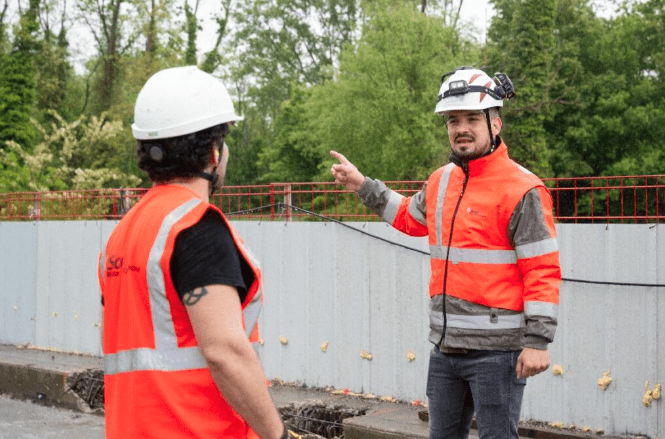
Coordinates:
523	46
213	58
17	81
246	141
379	110
191	29
294	154
275	44
55	73
616	124
280	43
109	23
3	30
652	16
162	42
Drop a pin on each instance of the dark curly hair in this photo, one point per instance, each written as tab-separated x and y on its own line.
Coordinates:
178	157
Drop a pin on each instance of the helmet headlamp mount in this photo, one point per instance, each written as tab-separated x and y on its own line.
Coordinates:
504	86
458	87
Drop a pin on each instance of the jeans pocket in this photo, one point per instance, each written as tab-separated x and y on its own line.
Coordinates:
496	376
492	388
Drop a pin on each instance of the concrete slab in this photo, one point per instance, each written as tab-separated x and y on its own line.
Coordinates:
387	422
47	376
47	359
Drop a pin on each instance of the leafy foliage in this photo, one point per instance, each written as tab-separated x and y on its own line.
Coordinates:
380	110
282	42
293	154
360	77
72	155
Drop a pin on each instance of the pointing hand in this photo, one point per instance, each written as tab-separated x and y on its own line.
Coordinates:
345	173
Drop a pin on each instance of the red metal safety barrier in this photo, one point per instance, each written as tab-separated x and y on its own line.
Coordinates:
623	199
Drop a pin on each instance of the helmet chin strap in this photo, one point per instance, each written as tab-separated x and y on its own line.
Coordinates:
213	177
493	141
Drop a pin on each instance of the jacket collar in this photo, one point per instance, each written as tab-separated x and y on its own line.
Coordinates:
482	164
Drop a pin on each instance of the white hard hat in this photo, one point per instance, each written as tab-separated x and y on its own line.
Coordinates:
179	101
467	88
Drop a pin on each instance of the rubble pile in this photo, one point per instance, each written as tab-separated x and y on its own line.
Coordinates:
318	420
89	385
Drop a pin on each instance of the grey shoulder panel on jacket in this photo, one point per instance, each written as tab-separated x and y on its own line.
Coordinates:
527	223
375	195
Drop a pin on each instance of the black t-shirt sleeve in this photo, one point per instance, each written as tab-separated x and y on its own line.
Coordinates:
205	254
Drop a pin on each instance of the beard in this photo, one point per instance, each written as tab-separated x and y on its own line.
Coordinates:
466	154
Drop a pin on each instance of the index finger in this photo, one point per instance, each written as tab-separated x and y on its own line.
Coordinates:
339	157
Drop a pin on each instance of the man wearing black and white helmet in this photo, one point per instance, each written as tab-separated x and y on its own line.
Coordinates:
181	291
495	271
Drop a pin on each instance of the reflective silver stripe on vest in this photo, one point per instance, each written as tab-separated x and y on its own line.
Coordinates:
392	206
481	321
102	264
538	248
253	309
415	212
523	169
166	356
443	186
251	313
534	308
165	338
248	252
148	359
472	255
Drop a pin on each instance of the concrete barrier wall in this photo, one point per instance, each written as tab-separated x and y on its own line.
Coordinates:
327	284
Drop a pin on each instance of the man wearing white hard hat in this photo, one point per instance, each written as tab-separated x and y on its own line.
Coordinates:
181	291
495	271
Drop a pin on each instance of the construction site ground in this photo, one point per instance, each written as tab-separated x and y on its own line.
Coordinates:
73	382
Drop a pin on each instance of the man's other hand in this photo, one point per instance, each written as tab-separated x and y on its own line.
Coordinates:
531	362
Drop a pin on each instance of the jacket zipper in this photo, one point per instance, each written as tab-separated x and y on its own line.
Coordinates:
465	168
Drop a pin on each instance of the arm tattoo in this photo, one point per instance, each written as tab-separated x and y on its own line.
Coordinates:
192	297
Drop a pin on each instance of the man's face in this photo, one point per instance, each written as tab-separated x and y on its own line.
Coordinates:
468	133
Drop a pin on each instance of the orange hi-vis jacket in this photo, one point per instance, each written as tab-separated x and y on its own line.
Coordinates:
156	381
494	258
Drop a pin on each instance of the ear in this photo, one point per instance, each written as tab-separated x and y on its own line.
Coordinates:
497	124
214	154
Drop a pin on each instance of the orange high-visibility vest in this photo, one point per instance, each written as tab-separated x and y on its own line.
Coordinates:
156	381
466	217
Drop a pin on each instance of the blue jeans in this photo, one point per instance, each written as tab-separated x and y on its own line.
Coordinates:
484	381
